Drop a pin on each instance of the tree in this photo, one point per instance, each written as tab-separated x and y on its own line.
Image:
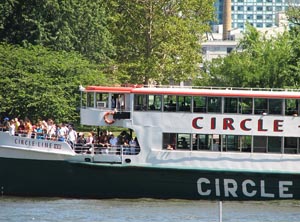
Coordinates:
79	25
264	62
160	40
39	83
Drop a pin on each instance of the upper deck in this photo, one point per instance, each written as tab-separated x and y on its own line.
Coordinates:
262	117
276	93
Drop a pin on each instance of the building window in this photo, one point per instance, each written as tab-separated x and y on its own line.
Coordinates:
269	8
240	25
240	8
269	17
229	49
268	25
259	8
259	25
250	17
249	8
240	16
259	17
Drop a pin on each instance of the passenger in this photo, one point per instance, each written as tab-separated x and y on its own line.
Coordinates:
89	139
21	128
72	136
114	143
39	131
61	132
17	124
6	124
51	128
184	144
132	145
28	128
81	139
113	140
104	142
170	147
12	127
215	146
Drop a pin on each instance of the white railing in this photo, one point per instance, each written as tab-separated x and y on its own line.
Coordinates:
96	149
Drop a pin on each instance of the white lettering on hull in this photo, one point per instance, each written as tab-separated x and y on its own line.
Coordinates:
249	188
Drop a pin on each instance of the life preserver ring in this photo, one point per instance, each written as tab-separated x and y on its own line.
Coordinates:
109	120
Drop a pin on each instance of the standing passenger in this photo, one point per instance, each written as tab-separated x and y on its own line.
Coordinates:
72	136
12	127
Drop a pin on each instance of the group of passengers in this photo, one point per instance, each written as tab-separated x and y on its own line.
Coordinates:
65	132
41	130
107	140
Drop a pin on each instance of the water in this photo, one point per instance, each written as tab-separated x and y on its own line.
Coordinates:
14	209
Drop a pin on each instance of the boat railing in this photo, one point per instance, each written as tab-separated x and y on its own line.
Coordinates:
224	88
98	149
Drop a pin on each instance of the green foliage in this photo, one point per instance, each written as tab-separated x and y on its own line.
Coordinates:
79	25
39	83
264	62
159	40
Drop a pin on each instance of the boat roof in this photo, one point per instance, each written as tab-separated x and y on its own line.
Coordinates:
203	91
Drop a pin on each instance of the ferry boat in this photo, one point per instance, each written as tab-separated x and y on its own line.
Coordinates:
205	143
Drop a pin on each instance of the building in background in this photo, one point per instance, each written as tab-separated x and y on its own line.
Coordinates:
259	13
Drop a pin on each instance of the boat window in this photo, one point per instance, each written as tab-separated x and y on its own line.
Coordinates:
230	105
291	145
214	104
260	105
214	143
245	143
169	141
200	141
275	106
102	100
184	103
259	144
90	99
154	102
183	142
291	107
245	105
140	102
230	143
169	103
236	143
274	144
200	104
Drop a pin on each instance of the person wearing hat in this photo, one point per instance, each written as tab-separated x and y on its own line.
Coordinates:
6	124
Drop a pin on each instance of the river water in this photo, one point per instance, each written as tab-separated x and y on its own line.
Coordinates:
14	209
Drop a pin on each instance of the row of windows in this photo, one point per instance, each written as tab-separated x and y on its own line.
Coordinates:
231	143
251	16
241	8
259	1
241	25
202	104
197	104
